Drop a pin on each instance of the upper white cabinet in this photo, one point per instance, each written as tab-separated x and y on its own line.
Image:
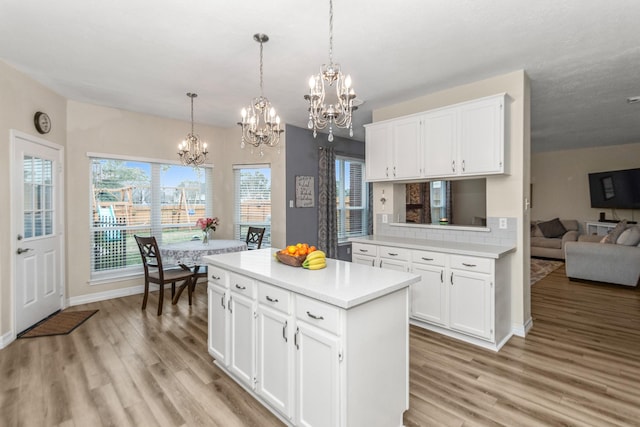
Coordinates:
466	139
393	149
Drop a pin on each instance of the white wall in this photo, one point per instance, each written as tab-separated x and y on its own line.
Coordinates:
561	186
505	194
20	98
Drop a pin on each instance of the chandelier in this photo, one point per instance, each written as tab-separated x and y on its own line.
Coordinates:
260	124
340	110
192	150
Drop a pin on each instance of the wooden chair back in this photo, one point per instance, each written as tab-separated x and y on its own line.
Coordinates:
254	237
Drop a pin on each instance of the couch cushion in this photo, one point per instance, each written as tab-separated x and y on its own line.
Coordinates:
535	231
543	242
629	237
553	228
613	235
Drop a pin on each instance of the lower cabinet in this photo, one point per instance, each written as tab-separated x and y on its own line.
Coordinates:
467	297
217	340
242	333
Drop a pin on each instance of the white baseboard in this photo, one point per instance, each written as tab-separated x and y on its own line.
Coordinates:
102	296
523	330
7	339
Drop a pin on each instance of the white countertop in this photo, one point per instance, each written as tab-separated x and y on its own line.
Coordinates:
341	283
458	248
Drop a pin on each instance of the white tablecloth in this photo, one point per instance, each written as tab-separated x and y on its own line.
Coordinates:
190	253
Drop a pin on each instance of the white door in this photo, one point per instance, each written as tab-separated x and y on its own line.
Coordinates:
37	219
242	345
275	359
317	382
429	295
218	323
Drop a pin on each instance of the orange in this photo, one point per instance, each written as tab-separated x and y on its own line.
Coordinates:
312	248
291	249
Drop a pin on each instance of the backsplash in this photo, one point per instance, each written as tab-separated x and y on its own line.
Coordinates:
496	235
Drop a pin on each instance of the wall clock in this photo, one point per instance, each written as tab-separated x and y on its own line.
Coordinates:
42	122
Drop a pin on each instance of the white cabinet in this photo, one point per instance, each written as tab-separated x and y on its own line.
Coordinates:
429	297
390	258
218	333
317	363
393	149
599	228
471	303
275	353
242	328
466	139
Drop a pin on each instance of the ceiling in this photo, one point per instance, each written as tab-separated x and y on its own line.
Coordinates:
582	56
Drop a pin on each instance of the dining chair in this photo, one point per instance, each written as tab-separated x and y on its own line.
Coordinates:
254	237
154	272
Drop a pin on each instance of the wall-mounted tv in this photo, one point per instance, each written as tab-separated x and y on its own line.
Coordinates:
615	189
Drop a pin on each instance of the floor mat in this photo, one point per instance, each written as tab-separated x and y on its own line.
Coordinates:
61	323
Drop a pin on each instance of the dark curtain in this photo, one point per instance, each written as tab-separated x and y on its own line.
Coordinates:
327	211
370	211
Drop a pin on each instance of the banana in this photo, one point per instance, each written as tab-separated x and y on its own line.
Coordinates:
317	266
315	261
316	254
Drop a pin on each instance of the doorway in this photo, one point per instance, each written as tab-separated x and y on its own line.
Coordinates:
37	220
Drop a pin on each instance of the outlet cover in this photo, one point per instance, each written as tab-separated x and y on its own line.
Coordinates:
385	218
503	223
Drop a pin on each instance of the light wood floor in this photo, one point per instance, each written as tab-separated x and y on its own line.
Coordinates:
579	365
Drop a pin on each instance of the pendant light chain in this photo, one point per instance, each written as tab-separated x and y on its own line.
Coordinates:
330	32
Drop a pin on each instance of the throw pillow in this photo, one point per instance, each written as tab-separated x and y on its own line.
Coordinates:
613	235
553	228
629	237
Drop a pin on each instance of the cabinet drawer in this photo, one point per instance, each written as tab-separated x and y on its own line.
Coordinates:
317	313
217	275
242	284
274	297
390	252
364	249
480	265
430	258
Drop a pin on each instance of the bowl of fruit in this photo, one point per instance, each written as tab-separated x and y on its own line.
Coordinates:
297	255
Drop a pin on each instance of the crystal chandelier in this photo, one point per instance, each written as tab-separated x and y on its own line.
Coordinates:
260	124
339	112
192	150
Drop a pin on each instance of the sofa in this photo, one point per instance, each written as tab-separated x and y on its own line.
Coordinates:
548	238
614	258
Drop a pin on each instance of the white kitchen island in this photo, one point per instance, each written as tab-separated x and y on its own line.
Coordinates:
326	347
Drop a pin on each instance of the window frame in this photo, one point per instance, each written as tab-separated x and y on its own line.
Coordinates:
239	227
341	209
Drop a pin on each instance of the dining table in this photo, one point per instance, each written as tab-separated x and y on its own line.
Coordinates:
189	254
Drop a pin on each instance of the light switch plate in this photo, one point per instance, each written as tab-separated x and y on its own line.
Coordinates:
385	218
503	223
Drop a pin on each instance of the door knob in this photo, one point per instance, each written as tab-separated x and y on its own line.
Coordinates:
21	251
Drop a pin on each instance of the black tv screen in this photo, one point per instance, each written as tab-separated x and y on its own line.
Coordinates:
615	189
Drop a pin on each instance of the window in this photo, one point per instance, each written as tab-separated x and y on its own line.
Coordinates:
140	197
351	198
252	200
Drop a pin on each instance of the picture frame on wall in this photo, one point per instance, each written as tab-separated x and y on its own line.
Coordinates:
305	191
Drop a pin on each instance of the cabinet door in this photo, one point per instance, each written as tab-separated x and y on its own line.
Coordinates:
429	295
440	143
317	376
217	340
471	303
363	259
378	152
242	333
482	137
275	368
407	150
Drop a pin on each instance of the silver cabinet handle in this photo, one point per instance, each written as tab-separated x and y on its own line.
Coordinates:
373	263
441	274
392	254
284	331
242	288
386	172
313	316
21	251
394	171
363	250
295	339
222	301
427	259
453	165
271	299
215	277
463	168
451	278
229	304
469	265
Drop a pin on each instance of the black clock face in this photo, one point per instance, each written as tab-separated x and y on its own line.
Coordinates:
42	122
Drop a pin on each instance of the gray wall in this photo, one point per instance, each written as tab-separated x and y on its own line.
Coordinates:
302	159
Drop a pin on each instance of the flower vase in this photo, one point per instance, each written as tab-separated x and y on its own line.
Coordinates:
205	238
